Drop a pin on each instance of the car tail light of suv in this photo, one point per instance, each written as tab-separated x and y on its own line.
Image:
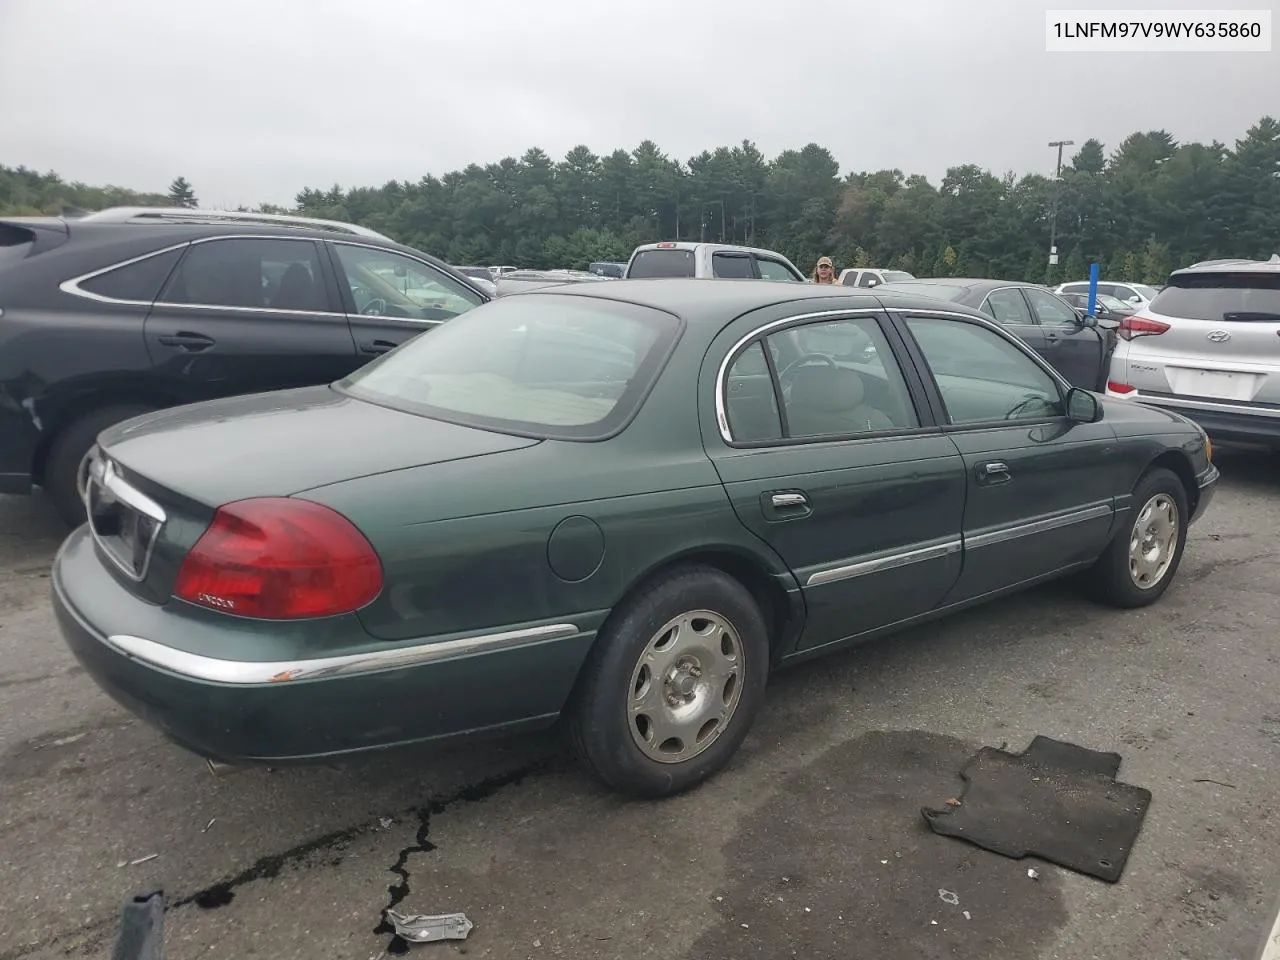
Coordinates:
1133	326
276	558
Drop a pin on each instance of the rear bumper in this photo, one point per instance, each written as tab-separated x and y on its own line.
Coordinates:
240	711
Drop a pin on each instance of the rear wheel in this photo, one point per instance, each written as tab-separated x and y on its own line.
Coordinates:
673	684
1141	561
64	469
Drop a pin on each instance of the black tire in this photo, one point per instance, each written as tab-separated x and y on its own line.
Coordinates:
1110	579
598	719
68	450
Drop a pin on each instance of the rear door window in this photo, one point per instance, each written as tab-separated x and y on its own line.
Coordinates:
139	281
1222	298
732	266
663	263
258	273
1008	307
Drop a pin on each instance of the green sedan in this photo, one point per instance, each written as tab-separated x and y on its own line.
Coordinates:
618	505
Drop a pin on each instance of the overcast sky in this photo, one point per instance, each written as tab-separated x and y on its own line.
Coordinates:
252	100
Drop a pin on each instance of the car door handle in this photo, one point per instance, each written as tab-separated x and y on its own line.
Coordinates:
785	505
377	346
191	342
784	500
994	471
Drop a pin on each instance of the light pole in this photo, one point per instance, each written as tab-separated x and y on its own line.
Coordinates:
1053	209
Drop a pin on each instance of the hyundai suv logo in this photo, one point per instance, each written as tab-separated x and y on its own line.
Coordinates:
1218	336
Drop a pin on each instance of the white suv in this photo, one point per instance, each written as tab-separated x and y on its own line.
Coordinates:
1138	294
1208	347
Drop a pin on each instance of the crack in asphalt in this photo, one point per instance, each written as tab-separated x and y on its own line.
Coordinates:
267	867
399	890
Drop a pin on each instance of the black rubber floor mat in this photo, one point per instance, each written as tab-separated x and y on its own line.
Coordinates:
1056	801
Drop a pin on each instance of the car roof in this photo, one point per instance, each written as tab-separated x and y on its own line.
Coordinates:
695	245
722	299
1231	266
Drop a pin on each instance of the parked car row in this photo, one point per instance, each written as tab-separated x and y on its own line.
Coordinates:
677	486
129	310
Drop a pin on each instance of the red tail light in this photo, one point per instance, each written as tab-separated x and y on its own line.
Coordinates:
277	558
1132	327
1115	386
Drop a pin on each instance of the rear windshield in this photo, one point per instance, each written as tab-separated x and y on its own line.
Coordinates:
662	263
896	276
551	366
15	243
938	291
1218	297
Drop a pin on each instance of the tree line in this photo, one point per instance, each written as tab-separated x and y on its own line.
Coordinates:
1150	205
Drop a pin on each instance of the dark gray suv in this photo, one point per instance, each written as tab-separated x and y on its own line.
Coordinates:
112	315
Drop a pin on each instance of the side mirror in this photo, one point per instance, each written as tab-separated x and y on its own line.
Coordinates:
1135	299
1083	406
872	282
1088	321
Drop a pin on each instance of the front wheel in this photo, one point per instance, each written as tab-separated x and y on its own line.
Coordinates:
1141	561
673	684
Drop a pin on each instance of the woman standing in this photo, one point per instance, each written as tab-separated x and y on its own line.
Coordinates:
824	272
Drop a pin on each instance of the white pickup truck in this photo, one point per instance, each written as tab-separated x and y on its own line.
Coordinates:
680	258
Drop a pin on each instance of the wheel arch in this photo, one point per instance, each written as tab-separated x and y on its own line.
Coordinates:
116	395
1180	464
783	610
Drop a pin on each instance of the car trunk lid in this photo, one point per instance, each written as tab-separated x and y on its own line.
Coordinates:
157	480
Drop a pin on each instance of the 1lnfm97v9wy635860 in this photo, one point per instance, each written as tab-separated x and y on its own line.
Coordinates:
621	504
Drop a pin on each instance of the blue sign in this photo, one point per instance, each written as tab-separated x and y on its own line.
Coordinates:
1093	290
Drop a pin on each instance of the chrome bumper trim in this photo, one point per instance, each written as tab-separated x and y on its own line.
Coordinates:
250	672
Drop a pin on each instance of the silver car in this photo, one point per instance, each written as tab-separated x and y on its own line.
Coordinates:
1208	347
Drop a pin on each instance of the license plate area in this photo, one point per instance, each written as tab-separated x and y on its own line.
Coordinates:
124	521
1217	384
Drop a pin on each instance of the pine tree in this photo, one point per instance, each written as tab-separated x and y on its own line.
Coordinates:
1075	268
181	194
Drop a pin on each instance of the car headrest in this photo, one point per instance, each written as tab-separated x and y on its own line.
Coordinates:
830	389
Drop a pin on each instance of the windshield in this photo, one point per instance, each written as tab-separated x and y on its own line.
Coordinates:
552	366
1240	297
662	263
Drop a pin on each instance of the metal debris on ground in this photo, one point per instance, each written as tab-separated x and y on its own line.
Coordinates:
209	824
966	915
1033	874
134	863
420	928
946	896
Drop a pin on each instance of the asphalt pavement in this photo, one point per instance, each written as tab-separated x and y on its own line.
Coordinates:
810	845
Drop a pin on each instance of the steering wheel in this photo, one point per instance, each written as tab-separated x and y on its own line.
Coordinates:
375	308
785	373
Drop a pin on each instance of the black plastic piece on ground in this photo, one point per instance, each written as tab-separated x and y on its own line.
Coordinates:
141	935
1056	801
